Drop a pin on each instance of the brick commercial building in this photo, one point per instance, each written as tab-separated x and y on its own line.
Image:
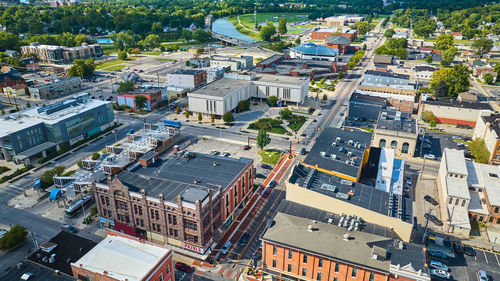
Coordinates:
153	98
396	130
305	243
178	201
338	42
122	257
454	112
322	34
488	129
62	54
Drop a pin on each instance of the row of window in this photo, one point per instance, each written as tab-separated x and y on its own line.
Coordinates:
354	271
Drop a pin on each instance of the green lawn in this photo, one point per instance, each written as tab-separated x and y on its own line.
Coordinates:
109	50
152	53
296	125
114	65
270	156
246	23
163	59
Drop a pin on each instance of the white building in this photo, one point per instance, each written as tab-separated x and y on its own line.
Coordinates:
223	95
235	63
390	172
424	71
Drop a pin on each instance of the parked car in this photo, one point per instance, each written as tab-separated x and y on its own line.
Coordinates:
458	248
3	232
469	251
438	265
272	184
225	247
226	154
430	156
266	193
247	147
266	166
440	273
214	152
303	151
482	276
183	267
433	219
408	180
244	239
260	176
431	200
68	228
438	254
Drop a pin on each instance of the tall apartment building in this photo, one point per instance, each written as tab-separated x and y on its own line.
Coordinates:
305	243
178	202
488	129
187	78
62	54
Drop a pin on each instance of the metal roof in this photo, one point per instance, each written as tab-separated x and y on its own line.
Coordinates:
340	40
313	49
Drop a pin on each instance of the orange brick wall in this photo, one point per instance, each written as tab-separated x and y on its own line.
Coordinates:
312	269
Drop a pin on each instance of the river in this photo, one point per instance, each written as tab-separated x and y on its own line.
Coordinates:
226	28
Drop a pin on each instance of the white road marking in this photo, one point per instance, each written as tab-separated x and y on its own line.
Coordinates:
484	253
496	257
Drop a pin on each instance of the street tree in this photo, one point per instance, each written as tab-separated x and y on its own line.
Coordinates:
228	117
267	32
488	78
186	113
272	100
82	68
448	56
482	45
199	116
140	102
122	55
263	139
126	86
428	59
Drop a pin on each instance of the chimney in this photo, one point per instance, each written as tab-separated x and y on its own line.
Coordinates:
347	236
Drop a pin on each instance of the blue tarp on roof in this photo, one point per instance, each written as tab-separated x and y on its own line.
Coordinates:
313	49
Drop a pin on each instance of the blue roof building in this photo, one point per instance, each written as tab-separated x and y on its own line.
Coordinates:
312	51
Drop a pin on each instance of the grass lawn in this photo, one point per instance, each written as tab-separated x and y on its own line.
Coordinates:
109	50
163	59
296	125
270	156
114	65
152	53
277	130
246	22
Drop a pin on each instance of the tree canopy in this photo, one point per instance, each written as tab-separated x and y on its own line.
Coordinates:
82	68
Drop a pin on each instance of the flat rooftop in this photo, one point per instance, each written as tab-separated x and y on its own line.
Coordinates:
365	196
123	258
220	88
494	121
70	247
176	176
455	161
280	80
187	71
387	74
458	104
40	273
400	121
489	177
327	239
336	146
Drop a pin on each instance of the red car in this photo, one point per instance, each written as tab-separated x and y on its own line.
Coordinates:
135	69
266	193
183	267
247	147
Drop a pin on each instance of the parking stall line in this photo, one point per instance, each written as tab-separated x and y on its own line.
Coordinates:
496	257
485	257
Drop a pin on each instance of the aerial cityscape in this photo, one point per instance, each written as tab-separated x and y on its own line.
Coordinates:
236	140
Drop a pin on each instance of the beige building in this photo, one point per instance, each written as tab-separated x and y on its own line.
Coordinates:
488	129
62	54
396	130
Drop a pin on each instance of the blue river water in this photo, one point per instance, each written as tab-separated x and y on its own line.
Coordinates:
225	27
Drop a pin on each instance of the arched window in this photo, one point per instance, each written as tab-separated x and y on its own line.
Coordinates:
406	147
394	144
381	144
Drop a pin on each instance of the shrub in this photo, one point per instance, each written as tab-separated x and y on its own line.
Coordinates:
16	235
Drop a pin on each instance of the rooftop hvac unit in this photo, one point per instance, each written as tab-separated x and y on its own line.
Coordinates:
350	142
333	156
334	144
322	153
337	139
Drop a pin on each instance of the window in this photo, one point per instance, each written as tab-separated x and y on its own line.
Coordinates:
372	276
354	272
335	279
463	202
274	263
275	251
286	93
168	269
451	201
290	254
381	144
496	210
161	276
394	144
304	272
405	148
456	202
102	200
289	268
318	277
337	267
304	258
267	91
491	219
320	263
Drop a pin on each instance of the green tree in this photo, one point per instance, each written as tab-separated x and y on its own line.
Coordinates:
199	50
428	116
286	113
428	59
123	40
82	68
482	45
79	163
341	75
362	27
212	118
228	117
122	55
325	98
126	86
479	151
448	56
282	27
152	41
186	113
441	89
178	110
263	139
199	116
459	80
140	102
389	32
95	155
47	178
15	236
157	28
243	105
444	42
488	78
364	47
272	100
267	32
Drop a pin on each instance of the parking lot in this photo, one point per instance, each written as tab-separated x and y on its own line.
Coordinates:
435	144
464	267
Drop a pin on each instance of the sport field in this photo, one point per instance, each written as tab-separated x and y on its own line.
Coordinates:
245	23
270	156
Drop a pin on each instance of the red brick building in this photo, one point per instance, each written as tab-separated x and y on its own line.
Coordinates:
338	42
153	98
178	202
322	34
296	247
122	257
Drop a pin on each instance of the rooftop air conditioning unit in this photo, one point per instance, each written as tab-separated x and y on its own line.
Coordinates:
322	153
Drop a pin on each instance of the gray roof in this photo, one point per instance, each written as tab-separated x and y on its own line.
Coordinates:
188	71
387	74
337	40
462	104
383	59
325	144
40	273
425	68
176	176
220	87
494	121
365	196
397	121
